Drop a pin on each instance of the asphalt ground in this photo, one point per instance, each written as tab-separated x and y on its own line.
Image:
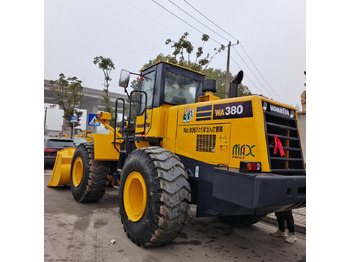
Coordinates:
83	232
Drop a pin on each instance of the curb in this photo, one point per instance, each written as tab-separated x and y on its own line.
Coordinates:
297	227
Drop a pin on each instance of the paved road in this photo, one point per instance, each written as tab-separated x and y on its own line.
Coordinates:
82	232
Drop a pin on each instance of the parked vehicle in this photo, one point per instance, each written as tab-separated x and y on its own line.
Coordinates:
52	145
79	140
85	134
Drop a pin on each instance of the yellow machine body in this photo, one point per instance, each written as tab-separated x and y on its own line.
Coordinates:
207	135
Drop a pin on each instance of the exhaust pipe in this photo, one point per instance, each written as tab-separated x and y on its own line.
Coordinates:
234	84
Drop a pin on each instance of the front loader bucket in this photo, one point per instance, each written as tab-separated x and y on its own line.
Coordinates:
61	170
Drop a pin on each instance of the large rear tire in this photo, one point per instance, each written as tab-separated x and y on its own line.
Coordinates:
88	178
153	196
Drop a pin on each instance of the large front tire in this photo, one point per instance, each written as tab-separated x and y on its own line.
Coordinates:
153	196
88	178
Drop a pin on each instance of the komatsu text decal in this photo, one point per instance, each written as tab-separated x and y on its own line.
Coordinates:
233	110
279	110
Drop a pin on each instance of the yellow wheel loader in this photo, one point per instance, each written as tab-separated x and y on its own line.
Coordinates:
237	158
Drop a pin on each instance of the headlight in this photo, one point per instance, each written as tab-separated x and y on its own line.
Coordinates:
264	106
292	113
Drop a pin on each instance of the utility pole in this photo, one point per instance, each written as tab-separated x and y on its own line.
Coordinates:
227	71
227	81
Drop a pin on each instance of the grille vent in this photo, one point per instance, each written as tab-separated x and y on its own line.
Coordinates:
286	129
206	143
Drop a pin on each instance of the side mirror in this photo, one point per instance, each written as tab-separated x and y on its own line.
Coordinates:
124	78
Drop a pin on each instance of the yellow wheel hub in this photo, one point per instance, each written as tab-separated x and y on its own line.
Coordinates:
77	173
135	196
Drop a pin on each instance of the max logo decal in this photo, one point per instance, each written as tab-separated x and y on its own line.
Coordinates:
188	114
243	151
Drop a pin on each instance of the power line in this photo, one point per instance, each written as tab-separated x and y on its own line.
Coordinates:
220	36
236	50
150	17
239	67
184	21
259	72
210	20
251	71
221	44
198	20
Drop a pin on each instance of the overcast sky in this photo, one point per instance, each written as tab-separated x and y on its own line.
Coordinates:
131	33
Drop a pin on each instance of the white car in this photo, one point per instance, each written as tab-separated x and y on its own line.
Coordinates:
79	140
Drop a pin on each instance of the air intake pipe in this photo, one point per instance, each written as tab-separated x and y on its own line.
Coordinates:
234	84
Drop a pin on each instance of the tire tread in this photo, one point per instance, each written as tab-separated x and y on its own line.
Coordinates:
171	193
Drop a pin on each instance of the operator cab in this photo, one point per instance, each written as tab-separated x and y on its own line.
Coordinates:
166	83
163	85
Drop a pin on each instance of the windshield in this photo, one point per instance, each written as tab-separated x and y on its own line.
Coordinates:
179	89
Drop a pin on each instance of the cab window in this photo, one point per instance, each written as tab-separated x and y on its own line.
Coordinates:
179	89
147	85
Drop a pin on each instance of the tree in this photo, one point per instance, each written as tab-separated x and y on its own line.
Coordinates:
183	46
210	73
220	77
243	90
179	57
69	93
107	65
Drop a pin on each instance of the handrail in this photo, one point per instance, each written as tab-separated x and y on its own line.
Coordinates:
115	120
